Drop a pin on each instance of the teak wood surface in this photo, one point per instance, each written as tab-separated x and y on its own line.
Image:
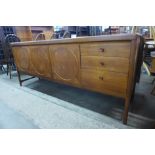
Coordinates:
105	64
152	65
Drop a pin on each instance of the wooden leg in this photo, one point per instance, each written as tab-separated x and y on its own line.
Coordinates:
131	102
19	78
22	80
126	109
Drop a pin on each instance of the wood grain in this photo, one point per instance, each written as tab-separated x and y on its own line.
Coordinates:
116	64
92	39
105	64
105	81
152	68
24	33
40	61
22	58
65	59
110	49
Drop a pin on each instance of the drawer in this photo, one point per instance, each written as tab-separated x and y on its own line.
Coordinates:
106	82
107	49
116	64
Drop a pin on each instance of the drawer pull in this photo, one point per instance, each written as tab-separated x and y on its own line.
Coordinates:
102	63
101	77
102	49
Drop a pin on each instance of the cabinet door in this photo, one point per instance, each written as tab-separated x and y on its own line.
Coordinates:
34	60
65	62
40	61
22	58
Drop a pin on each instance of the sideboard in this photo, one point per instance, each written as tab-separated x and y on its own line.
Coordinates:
105	64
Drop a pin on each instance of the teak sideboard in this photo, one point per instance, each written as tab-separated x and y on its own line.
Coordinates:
105	64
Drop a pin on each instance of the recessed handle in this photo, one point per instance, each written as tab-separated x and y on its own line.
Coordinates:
101	77
102	49
102	63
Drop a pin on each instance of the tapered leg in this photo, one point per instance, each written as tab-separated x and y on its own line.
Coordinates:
132	99
19	78
126	109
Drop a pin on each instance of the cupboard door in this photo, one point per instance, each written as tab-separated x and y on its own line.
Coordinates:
22	58
40	61
65	62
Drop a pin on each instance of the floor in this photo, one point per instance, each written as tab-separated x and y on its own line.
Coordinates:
22	107
11	119
78	108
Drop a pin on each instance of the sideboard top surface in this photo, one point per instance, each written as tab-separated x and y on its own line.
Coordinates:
116	37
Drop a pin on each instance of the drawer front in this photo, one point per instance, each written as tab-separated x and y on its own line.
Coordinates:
107	49
115	64
106	82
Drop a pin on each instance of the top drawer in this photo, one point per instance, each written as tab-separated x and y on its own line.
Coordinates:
107	49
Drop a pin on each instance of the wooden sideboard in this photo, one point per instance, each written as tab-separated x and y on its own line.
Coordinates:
153	65
106	64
